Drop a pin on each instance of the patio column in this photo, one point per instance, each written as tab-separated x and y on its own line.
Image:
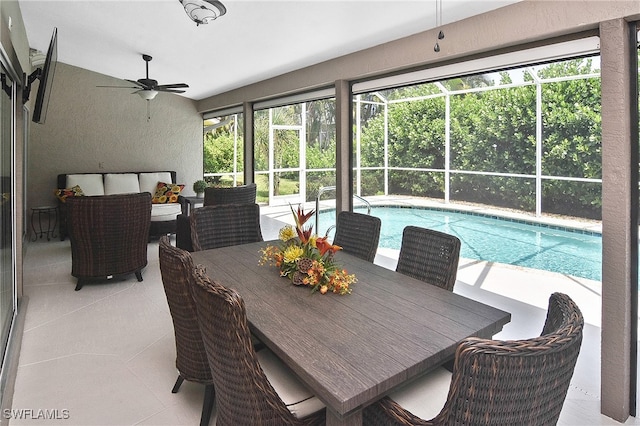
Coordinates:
249	162
344	151
619	219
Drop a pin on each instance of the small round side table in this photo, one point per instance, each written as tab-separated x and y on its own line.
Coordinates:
51	213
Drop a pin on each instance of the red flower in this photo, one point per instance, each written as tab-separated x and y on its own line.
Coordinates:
301	218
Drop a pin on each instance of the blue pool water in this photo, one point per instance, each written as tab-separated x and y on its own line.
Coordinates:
495	240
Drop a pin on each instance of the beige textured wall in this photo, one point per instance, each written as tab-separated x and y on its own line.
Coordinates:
88	126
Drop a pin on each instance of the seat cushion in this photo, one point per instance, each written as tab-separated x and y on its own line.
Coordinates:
149	180
298	399
165	212
425	396
121	183
91	184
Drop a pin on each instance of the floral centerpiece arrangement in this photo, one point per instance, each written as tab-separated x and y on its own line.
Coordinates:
307	259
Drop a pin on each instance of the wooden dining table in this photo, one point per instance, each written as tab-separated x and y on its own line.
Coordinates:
351	350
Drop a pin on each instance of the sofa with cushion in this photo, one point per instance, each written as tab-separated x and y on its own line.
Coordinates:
161	185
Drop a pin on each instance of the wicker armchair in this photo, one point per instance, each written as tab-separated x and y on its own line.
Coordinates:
176	269
429	256
109	235
225	225
214	196
358	234
517	382
245	393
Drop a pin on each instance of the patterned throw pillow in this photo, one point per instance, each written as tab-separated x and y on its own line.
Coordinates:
62	194
167	193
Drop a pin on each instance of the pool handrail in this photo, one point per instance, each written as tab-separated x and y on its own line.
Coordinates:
324	189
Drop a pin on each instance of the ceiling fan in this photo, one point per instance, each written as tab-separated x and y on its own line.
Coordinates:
148	88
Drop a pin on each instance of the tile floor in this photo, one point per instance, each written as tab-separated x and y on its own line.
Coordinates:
105	355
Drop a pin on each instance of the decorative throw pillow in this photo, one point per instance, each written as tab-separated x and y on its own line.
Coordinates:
62	194
167	193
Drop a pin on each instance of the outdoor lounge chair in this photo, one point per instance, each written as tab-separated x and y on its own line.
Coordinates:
109	235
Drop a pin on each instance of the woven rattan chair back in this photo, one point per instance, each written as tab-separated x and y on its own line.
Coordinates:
225	225
177	271
516	382
358	234
244	395
109	235
244	194
430	256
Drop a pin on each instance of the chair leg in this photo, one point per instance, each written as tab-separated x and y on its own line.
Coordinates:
139	276
207	406
177	385
79	284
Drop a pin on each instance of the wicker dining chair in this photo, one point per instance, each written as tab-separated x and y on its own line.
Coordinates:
243	194
225	225
251	388
358	234
214	196
430	256
109	235
176	269
512	382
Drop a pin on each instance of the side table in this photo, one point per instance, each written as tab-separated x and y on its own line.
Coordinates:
191	202
51	213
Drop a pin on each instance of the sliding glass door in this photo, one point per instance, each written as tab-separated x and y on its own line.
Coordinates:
7	293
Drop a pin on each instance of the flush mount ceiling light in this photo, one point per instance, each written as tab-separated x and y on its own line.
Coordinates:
203	11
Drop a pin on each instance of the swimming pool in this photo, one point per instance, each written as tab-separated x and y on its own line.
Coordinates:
494	240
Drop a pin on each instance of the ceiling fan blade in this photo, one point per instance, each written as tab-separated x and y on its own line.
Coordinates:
137	83
120	87
173	86
161	89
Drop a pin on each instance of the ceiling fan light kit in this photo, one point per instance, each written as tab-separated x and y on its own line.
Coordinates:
147	95
203	11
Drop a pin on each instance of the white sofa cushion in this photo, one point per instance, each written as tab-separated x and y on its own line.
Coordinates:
120	183
165	212
91	184
149	181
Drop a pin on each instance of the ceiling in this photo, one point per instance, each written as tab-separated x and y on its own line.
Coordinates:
254	41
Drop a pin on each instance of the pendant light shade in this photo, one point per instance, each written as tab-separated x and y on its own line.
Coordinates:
203	11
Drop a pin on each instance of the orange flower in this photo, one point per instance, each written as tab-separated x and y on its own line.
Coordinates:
324	246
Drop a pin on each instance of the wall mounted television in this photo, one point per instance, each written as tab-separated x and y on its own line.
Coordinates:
45	75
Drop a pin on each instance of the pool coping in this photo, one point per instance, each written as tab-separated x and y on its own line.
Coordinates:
581	226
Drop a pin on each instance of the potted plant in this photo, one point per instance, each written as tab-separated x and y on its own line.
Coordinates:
199	187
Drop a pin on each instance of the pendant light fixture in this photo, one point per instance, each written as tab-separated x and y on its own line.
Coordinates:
203	11
436	48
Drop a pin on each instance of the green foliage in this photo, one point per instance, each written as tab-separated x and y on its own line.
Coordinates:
493	131
219	146
490	131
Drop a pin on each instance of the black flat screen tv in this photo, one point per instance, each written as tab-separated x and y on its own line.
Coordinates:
46	80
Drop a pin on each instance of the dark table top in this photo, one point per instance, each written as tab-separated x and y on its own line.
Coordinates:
351	350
